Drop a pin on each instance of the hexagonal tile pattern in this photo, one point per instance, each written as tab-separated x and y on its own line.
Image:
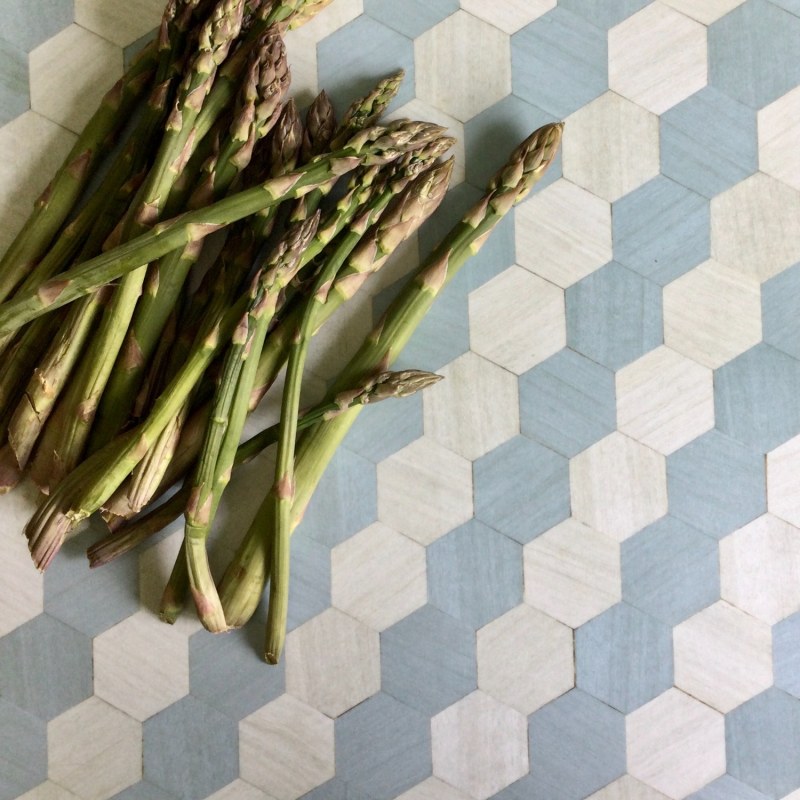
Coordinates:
286	748
778	137
378	576
783	499
722	656
631	479
780	326
602	13
23	763
411	20
239	790
691	744
728	788
119	21
627	788
479	745
14	82
786	654
707	12
511	15
433	789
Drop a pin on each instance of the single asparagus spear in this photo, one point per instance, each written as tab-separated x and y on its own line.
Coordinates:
245	577
320	127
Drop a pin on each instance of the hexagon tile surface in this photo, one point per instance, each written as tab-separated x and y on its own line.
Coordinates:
571	570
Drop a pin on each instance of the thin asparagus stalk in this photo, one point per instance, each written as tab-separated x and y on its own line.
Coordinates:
307	12
245	577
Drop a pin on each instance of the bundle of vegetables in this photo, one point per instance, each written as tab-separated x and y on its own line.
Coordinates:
127	370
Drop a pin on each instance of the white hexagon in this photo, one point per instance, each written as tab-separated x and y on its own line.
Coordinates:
723	656
564	233
525	659
79	742
534	331
572	573
455	75
286	748
657	57
424	490
623	158
783	481
759	568
479	745
712	314
456	409
119	21
779	138
153	657
378	576
664	400
676	744
333	662
618	486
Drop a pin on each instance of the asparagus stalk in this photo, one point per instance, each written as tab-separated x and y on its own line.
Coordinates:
320	127
246	576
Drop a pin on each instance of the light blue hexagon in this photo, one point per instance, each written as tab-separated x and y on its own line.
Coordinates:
412	17
780	319
14	92
604	13
786	654
28	23
23	751
727	788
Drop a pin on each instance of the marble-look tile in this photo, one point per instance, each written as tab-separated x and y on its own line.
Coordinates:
521	489
781	326
754	53
572	573
378	576
433	789
627	788
479	745
47	686
614	316
48	791
713	313
509	15
94	750
525	659
428	660
763	742
69	73
23	751
760	568
29	22
240	790
626	157
332	662
778	138
670	570
716	484
604	13
14	96
119	21
723	656
455	409
728	788
559	62
618	486
383	747
177	742
286	748
475	574
768	242
783	481
424	491
623	657
564	233
664	400
657	57
706	12
708	142
153	657
786	654
146	790
536	329
676	744
413	18
574	723
454	76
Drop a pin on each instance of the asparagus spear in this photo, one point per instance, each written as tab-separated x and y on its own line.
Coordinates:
320	127
245	577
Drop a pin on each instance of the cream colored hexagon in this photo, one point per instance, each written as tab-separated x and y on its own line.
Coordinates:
48	791
121	22
378	576
240	790
424	490
676	744
618	486
457	409
779	138
657	57
755	227
664	400
534	331
623	158
456	76
433	789
69	74
286	748
759	568
333	662
508	15
723	656
79	744
572	572
479	745
627	788
563	233
712	314
783	481
525	659
707	11
154	658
